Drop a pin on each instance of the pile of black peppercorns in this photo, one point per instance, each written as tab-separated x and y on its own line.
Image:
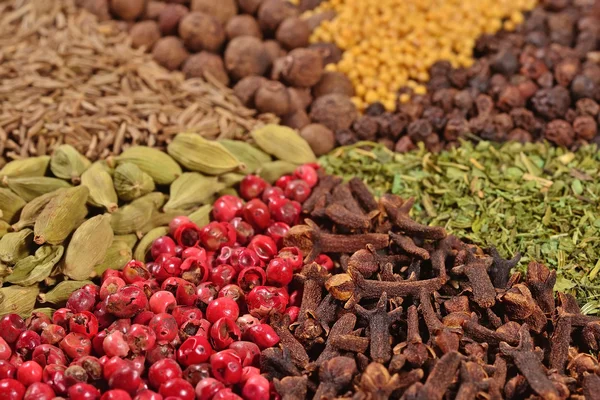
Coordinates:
540	82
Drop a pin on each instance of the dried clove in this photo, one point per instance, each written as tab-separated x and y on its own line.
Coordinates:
363	195
441	376
349	219
446	339
325	186
307	327
500	269
397	210
541	281
377	383
476	271
342	195
351	342
281	323
343	326
409	246
559	344
334	375
292	387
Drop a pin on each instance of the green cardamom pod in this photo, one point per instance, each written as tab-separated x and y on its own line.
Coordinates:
229	191
283	143
32	187
34	269
32	210
231	178
201	216
142	250
131	239
62	291
251	156
15	246
201	155
132	217
160	166
190	190
18	300
10	204
118	254
161	219
25	168
61	216
156	199
102	190
88	247
273	170
4	227
47	311
68	163
131	182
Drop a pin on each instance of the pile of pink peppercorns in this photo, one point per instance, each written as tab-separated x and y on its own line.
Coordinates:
189	323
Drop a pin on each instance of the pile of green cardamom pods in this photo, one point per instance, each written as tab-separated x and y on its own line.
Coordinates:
531	198
65	220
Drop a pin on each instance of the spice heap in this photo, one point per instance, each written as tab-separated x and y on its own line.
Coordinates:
533	198
258	47
391	44
63	217
66	78
179	324
415	313
540	82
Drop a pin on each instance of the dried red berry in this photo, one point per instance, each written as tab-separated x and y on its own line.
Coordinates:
115	344
263	301
279	272
222	307
5	350
252	187
224	332
263	335
297	190
29	372
116	394
195	350
207	388
187	234
293	256
85	323
11	389
81	300
39	391
11	326
217	234
136	270
308	174
227	207
163	371
177	388
226	367
126	378
251	277
83	391
264	247
127	302
256	387
26	343
248	352
162	245
257	214
277	232
243	230
164	327
140	338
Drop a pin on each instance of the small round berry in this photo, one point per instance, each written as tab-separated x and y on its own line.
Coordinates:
7	370
264	247
325	261
243	230
81	300
277	232
263	335
178	388
11	389
185	313
195	350
53	334
163	245
247	372
297	190
283	181
308	174
224	332
126	378
5	350
162	302
249	352
293	256
164	327
222	307
163	371
271	193
256	387
257	214
112	365
226	394
39	391
226	367
115	344
85	323
135	271
222	275
146	394
109	286
293	313
26	343
263	301
251	277
279	272
207	388
140	338
29	372
252	187
116	394
216	235
197	372
11	327
177	222
83	391
227	207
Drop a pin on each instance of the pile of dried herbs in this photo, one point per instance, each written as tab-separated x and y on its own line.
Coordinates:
535	199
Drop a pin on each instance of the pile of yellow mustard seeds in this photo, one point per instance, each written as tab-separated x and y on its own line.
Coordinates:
389	44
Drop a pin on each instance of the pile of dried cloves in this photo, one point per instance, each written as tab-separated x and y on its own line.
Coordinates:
411	312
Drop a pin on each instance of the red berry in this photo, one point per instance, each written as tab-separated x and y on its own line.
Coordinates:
308	174
293	256
277	232
279	272
226	367
27	342
243	230
226	394
47	354
196	373
167	267
162	302
293	313
111	285
81	300
187	235
297	190
252	187
77	345
54	375
113	365
161	351
325	261
91	365
29	373
232	291
143	318
83	391
163	371
53	334
162	245
116	394
111	273
194	252
5	351
222	275
121	325
217	234
11	326
257	214
39	391
127	302
285	210
177	222
251	277
222	307
85	323
194	327
246	321
178	388
272	192
38	321
207	388
227	207
296	298
224	332
195	350
7	370
264	247
283	181
186	294
11	389
126	378
248	352
140	338
195	270
256	388
263	301
164	326
136	270
115	344
263	335
74	374
185	313
147	395
206	292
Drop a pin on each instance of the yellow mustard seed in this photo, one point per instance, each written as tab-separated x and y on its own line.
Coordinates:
404	98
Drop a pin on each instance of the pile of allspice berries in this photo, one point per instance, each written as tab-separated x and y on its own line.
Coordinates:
65	220
260	48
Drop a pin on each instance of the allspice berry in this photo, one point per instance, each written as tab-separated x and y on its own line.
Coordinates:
303	68
320	139
222	10
170	52
271	13
129	10
145	33
272	97
585	127
249	6
333	82
204	62
296	120
246	56
560	132
274	50
170	17
201	31
335	111
293	32
242	25
300	98
246	88
330	53
153	9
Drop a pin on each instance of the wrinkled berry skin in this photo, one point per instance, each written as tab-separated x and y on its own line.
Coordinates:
127	302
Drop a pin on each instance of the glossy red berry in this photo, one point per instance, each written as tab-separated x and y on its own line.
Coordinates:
246	321
85	323
293	256
226	367
162	302
277	232
195	350
248	352
227	207
162	245
252	187
164	326
293	313
247	372
91	365
263	335
178	388
39	391
29	372
11	389
279	272
263	301
123	325
257	214
38	321
198	252
187	235
325	261
285	210
110	285
256	388
222	307
74	374
232	291
308	174
194	327
146	394
217	234
185	313
163	371
126	378
195	270
127	302
251	277
83	391
116	394
297	190
76	345
47	354
112	365
222	275
177	222
207	388
115	344
226	394
27	342
53	334
11	327
167	267
5	350
271	193
140	338
224	332
7	370
197	372
283	181
136	270
54	375
264	247
81	300
243	230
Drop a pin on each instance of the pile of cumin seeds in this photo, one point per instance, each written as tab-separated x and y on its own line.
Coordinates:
65	77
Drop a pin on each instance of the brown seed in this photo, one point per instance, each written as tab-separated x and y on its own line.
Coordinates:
333	82
170	17
145	33
245	89
246	56
153	9
129	10
560	132
201	31
273	97
272	12
222	10
170	52
296	120
320	139
300	98
335	111
250	6
274	50
303	67
330	52
204	62
585	127
242	25
293	32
